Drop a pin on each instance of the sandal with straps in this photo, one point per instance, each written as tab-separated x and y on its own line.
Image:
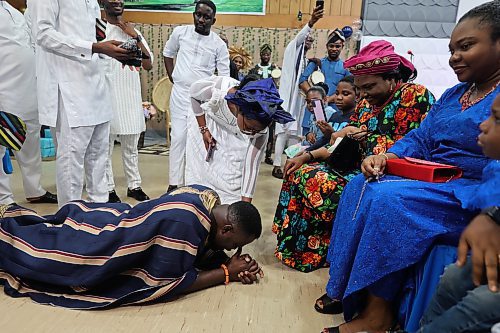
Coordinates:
329	306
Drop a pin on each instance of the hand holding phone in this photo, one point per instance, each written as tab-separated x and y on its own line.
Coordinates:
210	151
319	110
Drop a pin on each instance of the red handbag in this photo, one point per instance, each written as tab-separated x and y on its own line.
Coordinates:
426	171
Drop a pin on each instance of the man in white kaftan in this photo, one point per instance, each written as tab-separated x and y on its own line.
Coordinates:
198	53
18	97
72	95
125	89
294	62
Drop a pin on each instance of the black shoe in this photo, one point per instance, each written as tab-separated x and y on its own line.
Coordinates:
277	173
171	188
268	160
113	197
137	193
46	198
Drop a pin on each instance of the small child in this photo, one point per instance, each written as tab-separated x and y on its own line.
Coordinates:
345	100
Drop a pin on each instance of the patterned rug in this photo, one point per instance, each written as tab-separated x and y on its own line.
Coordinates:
162	150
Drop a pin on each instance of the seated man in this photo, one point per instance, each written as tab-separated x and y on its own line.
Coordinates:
89	255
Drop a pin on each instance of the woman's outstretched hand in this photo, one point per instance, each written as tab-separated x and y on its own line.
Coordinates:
295	163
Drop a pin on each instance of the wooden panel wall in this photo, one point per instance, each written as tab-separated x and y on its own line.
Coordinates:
279	14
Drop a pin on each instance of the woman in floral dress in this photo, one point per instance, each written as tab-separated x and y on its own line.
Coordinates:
389	109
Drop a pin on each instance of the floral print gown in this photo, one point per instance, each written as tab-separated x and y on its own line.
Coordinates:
309	197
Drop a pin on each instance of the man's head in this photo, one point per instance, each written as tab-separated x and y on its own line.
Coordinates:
489	139
335	44
112	7
308	43
265	54
204	16
236	225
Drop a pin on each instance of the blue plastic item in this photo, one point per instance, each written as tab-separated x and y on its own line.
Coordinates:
7	163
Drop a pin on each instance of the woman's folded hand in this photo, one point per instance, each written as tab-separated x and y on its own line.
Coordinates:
374	165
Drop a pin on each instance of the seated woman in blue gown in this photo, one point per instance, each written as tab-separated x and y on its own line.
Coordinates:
384	227
92	255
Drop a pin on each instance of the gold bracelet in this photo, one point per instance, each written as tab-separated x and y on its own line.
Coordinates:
203	129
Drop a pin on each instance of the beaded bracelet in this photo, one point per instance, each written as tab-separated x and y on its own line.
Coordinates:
203	129
226	273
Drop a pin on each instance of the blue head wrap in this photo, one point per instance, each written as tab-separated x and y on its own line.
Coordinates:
261	101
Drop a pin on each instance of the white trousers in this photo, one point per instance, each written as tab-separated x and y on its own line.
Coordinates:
283	140
82	153
130	160
180	107
29	159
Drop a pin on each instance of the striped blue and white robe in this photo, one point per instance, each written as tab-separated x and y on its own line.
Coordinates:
89	255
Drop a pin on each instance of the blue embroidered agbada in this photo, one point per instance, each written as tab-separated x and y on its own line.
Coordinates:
384	227
89	256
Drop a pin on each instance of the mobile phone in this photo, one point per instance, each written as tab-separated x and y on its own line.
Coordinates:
210	152
320	3
319	110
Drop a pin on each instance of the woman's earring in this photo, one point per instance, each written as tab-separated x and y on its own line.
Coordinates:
392	88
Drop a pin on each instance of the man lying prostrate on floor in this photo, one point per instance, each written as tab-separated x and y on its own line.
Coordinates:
90	255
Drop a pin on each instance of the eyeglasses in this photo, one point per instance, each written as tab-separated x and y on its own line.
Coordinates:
248	130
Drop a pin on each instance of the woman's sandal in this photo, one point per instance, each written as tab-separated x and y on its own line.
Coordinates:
329	306
331	330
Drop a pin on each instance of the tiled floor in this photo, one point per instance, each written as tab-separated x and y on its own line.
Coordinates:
281	302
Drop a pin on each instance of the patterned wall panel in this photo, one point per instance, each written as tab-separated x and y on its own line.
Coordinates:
410	18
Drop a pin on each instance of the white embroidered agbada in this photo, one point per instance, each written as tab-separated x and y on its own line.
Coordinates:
289	90
125	83
232	172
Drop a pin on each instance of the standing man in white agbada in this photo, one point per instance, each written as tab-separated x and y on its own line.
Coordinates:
294	62
72	95
198	52
125	88
18	96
